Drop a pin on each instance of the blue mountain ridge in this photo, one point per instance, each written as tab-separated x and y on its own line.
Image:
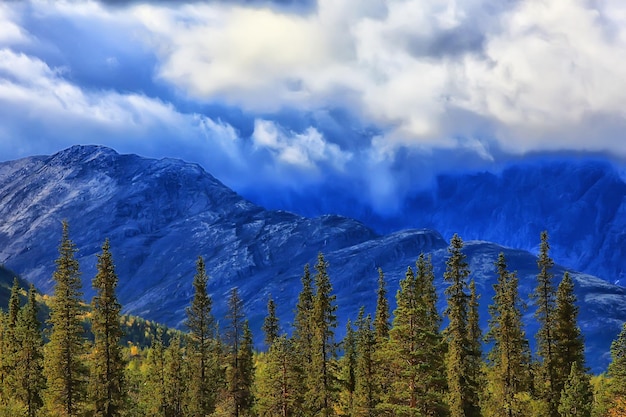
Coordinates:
161	214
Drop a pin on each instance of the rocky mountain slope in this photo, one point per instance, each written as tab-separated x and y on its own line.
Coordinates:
161	214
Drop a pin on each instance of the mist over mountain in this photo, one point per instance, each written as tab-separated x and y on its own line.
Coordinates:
161	214
581	202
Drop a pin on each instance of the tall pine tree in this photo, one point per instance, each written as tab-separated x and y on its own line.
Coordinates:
509	358
381	320
461	395
271	327
545	301
204	373
64	365
323	379
28	364
107	393
569	346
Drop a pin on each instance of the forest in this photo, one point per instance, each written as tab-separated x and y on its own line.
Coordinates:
414	361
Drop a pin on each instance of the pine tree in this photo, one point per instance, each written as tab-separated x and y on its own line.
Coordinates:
175	378
246	371
155	396
270	324
461	395
277	381
10	347
568	340
64	367
577	395
474	357
347	377
239	384
366	390
204	371
545	301
106	391
322	382
381	320
303	340
415	349
617	367
29	357
509	359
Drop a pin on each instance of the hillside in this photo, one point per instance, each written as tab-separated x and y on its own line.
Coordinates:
161	214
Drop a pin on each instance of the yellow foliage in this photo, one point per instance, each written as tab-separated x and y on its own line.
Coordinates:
618	409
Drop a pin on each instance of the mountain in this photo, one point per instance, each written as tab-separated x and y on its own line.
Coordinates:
581	202
161	214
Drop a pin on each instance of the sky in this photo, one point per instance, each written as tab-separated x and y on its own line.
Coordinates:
316	105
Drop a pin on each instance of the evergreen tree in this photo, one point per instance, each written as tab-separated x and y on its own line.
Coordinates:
270	325
175	378
577	395
10	347
64	366
347	375
381	320
106	390
416	349
246	371
277	382
239	380
28	369
568	340
303	340
322	381
155	395
474	357
204	373
617	367
545	301
509	358
366	390
461	398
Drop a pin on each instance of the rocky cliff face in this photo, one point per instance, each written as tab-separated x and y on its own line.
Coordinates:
161	214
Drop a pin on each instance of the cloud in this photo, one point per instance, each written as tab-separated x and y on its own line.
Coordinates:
365	98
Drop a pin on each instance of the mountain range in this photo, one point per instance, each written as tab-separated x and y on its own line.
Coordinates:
159	215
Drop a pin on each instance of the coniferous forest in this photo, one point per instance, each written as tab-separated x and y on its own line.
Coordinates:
413	361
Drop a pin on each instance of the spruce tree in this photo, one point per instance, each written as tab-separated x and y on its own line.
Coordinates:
322	382
545	301
509	358
107	393
204	370
617	367
175	378
10	346
155	395
568	340
278	382
367	386
238	378
28	370
347	377
461	395
416	350
270	324
381	320
64	366
303	340
475	379
577	396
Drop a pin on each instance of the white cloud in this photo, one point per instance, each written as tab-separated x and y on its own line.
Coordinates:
300	150
539	71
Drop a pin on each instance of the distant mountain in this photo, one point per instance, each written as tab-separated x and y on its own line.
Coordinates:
580	201
161	214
